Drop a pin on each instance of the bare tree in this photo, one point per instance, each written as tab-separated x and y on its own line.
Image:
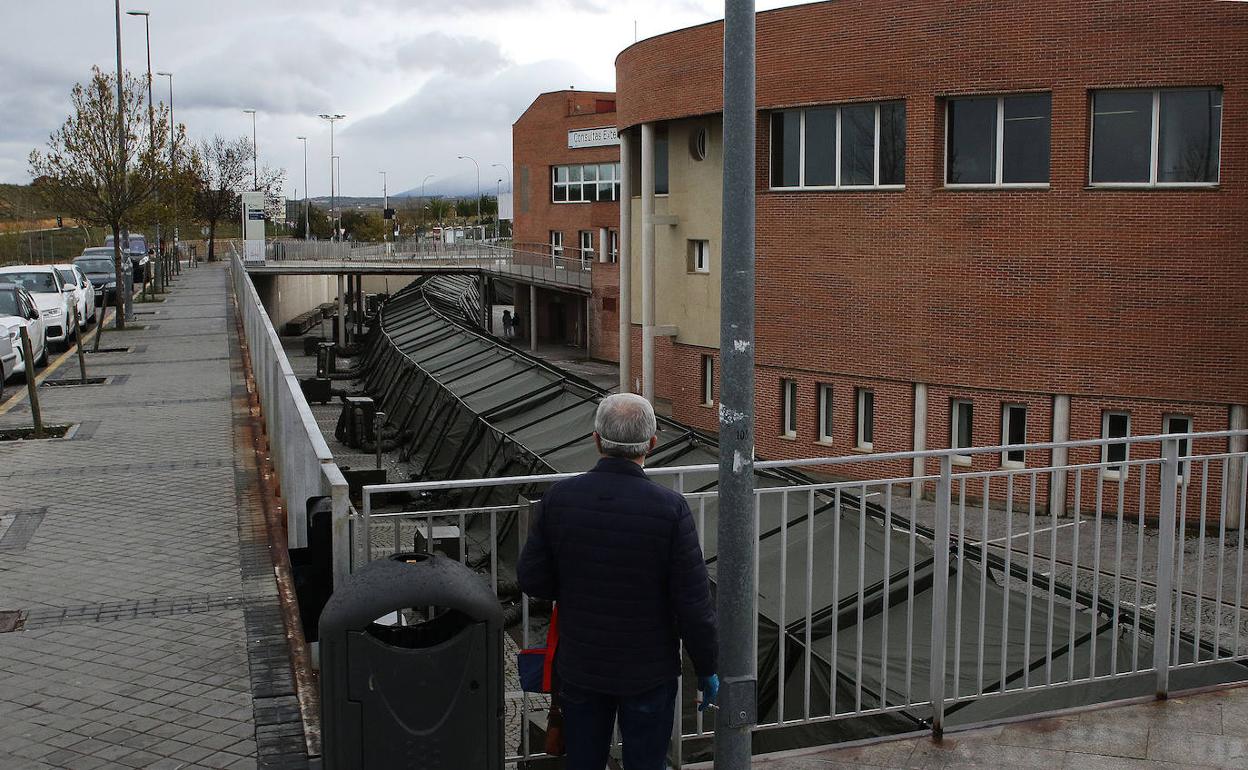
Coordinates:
225	166
88	172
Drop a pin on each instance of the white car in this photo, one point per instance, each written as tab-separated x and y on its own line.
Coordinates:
84	292
18	309
54	300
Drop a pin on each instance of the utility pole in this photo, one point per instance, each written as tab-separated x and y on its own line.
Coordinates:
307	223
478	167
331	118
736	589
151	110
127	286
385	205
255	153
173	166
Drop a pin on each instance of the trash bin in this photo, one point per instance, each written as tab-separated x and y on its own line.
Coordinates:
412	668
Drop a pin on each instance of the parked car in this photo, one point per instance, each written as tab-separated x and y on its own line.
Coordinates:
138	254
84	292
8	359
97	263
54	301
18	309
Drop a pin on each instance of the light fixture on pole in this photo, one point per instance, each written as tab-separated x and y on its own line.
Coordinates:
506	171
151	109
385	206
307	220
498	195
335	173
173	160
478	166
331	118
255	153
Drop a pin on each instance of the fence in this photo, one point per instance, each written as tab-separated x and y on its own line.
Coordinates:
305	467
533	265
878	611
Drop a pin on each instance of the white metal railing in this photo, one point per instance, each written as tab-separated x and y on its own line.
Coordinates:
1151	547
304	464
571	269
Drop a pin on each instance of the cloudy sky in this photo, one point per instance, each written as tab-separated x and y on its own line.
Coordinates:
421	81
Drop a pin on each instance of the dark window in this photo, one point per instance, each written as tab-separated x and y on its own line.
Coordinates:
1116	425
1189	135
1122	127
825	413
971	153
820	143
858	145
788	396
1025	139
708	380
866	418
893	143
660	162
1014	431
785	149
962	423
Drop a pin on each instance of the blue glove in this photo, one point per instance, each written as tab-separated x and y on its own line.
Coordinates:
709	685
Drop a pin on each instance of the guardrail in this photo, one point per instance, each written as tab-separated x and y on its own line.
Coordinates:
505	261
858	581
304	464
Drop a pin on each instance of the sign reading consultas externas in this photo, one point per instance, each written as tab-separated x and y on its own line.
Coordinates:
593	137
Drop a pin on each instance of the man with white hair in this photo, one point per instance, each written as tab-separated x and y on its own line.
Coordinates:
620	554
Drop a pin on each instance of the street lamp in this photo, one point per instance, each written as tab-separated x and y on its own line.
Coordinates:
255	153
331	118
123	291
498	214
173	160
498	194
422	184
474	162
507	171
307	219
335	161
385	204
151	115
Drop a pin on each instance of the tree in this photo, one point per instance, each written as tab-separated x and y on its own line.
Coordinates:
320	222
362	226
439	209
224	169
91	173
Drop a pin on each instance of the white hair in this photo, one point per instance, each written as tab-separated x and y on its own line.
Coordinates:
625	424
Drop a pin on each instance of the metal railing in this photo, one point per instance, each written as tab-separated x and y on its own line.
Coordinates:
567	270
305	467
860	581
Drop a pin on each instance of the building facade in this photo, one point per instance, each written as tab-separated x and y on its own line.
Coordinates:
976	225
565	155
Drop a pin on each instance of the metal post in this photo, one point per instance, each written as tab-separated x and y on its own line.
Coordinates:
32	388
342	313
940	595
737	534
1165	562
626	262
647	259
82	358
379	419
533	318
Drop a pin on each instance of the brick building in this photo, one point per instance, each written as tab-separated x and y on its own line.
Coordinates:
566	155
976	223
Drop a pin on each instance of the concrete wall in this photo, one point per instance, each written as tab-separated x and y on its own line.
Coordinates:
286	296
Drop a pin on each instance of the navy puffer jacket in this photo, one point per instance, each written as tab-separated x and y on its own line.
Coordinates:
620	554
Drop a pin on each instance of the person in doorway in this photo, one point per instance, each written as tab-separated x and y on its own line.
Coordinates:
507	330
517	326
620	555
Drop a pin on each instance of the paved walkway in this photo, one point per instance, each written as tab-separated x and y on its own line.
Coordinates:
137	554
1206	730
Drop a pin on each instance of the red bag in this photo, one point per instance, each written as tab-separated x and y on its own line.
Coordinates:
537	664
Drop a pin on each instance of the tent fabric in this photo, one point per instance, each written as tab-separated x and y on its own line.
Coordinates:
478	408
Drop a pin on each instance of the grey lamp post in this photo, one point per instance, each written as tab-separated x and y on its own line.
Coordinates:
173	162
151	109
307	219
478	166
498	215
255	153
332	118
121	145
385	204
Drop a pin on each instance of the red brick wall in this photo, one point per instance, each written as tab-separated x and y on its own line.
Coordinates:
539	140
604	323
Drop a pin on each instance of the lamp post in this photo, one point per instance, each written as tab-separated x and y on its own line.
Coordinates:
478	166
335	172
498	213
307	219
255	153
123	288
385	204
498	194
151	113
332	118
173	163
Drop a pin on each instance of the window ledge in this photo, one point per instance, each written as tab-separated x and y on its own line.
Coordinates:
824	442
1150	187
1012	465
787	437
705	405
864	449
1112	475
851	189
998	187
963	461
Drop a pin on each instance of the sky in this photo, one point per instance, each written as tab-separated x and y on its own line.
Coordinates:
420	81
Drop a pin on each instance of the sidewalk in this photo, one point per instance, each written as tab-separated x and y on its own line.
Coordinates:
150	633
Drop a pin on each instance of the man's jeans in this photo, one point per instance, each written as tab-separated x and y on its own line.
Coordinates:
645	726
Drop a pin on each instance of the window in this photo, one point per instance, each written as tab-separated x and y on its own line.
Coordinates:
586	241
1115	425
556	243
660	161
699	257
708	380
788	396
1174	423
1013	431
856	145
865	434
825	414
614	237
697	143
998	140
1162	137
961	434
585	183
